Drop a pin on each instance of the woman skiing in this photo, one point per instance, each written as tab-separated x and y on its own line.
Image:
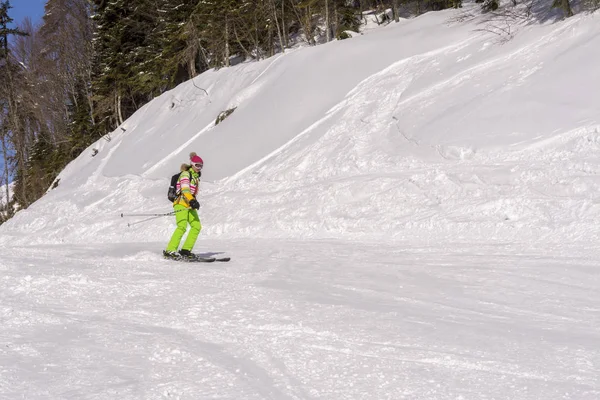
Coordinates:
185	206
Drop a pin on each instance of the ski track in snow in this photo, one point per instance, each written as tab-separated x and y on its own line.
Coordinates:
299	320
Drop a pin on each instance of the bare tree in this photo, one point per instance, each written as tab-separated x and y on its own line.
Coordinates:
280	33
303	12
395	11
5	160
327	21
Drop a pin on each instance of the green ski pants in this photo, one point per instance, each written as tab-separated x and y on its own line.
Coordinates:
185	216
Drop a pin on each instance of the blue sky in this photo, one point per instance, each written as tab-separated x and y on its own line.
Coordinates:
26	8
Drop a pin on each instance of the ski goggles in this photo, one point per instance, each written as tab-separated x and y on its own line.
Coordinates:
198	165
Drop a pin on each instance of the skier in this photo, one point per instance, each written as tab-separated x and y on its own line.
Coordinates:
185	206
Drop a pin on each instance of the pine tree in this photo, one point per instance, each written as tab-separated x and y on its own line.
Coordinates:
347	19
139	54
217	19
178	63
110	66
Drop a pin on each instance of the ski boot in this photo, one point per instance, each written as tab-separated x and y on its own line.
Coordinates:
171	255
186	254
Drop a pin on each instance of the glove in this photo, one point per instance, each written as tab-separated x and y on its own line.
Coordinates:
194	204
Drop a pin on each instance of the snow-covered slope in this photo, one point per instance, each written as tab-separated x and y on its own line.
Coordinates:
412	214
424	128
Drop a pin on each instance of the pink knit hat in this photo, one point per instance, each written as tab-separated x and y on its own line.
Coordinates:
196	159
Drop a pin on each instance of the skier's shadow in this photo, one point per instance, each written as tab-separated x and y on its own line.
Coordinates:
209	254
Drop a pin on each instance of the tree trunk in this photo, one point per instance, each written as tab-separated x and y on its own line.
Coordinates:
395	10
239	42
227	41
283	30
566	6
274	9
118	108
270	50
6	172
89	94
257	37
327	22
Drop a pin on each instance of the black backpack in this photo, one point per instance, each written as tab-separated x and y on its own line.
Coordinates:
173	194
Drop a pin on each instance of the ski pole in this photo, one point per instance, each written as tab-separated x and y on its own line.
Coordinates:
150	215
147	219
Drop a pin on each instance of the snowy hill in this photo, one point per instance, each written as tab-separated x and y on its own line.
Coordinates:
449	131
412	213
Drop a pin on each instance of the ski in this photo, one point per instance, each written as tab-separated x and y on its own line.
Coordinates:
191	260
202	259
198	258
